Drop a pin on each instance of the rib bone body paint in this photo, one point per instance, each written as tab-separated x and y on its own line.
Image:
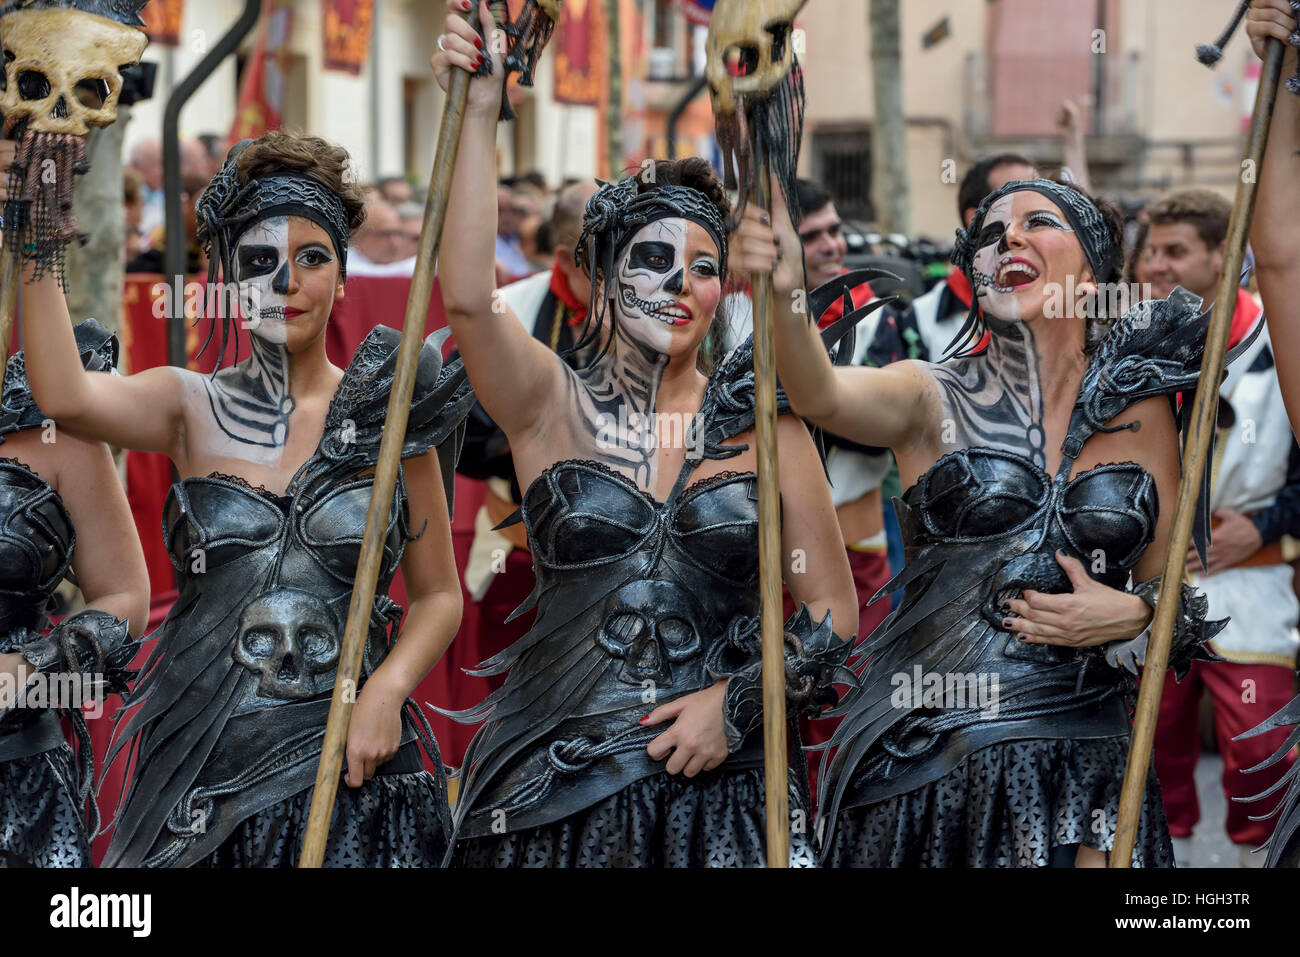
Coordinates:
250	402
651	275
996	400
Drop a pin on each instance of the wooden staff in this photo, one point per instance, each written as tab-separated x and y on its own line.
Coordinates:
775	758
1195	453
385	480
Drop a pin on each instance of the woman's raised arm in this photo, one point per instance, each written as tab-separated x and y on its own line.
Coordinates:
514	375
896	406
1277	208
144	411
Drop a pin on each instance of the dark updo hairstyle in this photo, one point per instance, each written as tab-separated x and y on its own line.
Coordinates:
278	153
692	172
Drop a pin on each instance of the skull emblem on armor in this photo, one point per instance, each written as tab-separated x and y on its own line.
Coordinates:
649	626
291	639
750	48
63	69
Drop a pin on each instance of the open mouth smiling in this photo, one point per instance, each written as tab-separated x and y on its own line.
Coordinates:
1014	273
666	311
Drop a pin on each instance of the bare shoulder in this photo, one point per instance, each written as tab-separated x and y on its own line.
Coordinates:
1146	434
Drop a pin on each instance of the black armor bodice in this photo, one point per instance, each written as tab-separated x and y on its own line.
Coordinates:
631	593
36	542
37	539
234	698
1105	517
36	534
580	514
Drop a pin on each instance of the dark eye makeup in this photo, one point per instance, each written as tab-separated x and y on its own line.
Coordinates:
651	255
257	260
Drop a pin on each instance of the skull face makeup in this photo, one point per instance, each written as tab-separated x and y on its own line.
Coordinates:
262	264
651	278
276	257
1021	252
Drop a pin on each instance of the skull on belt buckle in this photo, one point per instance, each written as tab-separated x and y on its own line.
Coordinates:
649	626
291	639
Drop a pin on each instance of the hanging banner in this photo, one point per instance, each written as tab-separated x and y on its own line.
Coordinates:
261	95
579	47
698	12
162	21
347	25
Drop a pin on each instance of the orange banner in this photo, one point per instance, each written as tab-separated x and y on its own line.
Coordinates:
579	45
162	21
347	27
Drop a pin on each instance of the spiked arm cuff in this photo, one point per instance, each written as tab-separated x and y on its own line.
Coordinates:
1191	633
92	644
815	659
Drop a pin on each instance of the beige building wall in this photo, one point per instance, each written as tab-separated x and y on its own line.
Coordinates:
1187	118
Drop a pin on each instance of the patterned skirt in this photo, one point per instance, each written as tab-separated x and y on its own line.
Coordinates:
42	822
392	820
1007	805
715	819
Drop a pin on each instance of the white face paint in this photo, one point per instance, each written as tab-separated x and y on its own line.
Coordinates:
651	272
1000	272
262	267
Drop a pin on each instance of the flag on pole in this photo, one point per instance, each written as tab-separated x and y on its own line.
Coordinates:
579	53
261	96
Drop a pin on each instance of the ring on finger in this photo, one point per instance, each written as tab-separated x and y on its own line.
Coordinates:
441	37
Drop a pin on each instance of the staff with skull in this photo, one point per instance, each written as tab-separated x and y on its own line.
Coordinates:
756	86
1194	488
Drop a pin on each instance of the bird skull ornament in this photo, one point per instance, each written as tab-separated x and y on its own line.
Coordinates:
750	48
63	69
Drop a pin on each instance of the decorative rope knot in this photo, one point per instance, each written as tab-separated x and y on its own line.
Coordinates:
570	757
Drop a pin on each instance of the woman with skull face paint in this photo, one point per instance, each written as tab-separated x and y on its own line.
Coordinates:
990	728
274	456
624	734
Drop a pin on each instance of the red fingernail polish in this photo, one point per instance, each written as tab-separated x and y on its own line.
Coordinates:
643	720
465	4
478	42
